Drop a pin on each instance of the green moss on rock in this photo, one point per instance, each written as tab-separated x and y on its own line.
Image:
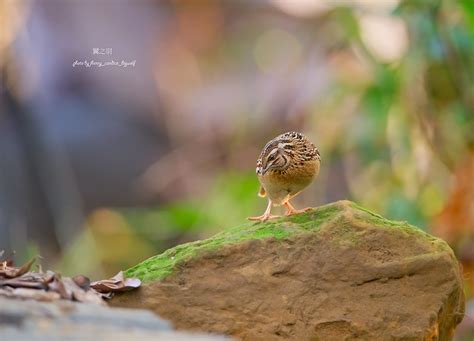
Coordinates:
341	213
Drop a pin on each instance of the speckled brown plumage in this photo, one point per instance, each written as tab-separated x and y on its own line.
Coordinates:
287	165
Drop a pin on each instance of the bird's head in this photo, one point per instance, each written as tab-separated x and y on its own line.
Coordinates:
288	149
276	157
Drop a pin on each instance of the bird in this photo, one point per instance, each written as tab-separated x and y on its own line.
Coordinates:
287	165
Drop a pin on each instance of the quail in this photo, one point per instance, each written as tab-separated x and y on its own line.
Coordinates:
286	166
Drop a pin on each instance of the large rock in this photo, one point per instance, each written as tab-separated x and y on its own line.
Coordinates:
338	272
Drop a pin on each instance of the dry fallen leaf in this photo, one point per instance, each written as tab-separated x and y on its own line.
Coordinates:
11	271
19	282
38	295
58	286
48	277
22	283
118	283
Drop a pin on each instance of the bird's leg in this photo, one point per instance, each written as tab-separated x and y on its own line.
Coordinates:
266	215
290	210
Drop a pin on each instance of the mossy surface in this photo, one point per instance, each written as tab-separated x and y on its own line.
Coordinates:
340	213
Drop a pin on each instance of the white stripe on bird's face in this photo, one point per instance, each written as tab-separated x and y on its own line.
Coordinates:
282	145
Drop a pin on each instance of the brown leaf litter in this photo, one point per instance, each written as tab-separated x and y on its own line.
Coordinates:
20	282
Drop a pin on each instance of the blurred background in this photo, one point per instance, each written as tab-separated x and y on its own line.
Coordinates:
102	167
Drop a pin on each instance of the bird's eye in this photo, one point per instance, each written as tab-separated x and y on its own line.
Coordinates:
271	157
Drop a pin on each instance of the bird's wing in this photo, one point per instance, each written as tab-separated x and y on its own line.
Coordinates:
262	193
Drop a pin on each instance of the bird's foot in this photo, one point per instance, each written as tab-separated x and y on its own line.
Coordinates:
292	211
263	217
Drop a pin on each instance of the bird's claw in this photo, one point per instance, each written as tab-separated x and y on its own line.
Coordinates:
262	218
295	211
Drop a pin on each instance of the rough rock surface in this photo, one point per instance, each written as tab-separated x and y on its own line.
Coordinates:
64	320
338	272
